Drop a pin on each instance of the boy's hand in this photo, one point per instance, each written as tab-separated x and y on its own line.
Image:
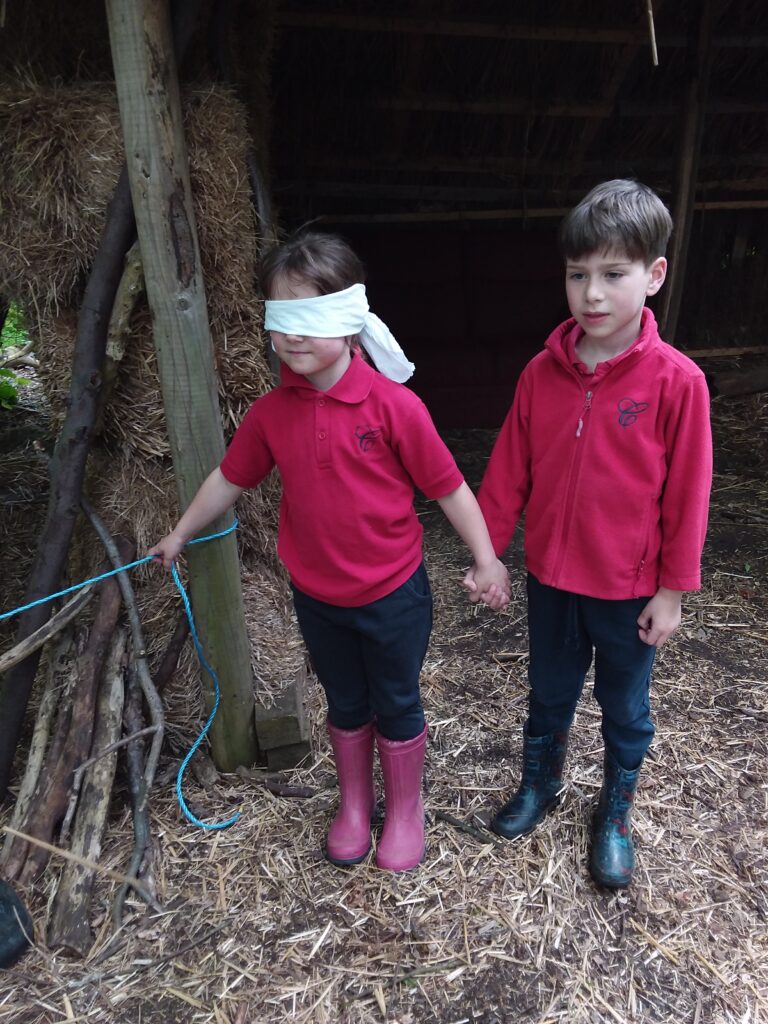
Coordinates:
489	584
660	617
168	550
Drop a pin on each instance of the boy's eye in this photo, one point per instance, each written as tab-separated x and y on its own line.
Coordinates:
614	275
576	275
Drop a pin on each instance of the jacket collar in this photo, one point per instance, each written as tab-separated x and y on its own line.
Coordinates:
647	339
352	388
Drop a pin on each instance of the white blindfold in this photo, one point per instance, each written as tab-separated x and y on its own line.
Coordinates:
340	315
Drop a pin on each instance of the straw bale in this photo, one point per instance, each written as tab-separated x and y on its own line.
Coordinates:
54	196
59	165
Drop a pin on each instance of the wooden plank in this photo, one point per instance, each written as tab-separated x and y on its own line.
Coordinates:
717	353
285	723
524	107
282	758
534	213
739	382
556	32
389	161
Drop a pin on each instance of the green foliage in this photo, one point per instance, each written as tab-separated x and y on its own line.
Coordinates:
10	383
13	336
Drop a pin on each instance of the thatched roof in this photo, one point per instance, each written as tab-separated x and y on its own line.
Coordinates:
444	107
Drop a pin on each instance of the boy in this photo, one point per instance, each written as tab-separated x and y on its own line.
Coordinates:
608	449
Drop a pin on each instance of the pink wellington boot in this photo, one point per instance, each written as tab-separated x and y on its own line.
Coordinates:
349	837
401	846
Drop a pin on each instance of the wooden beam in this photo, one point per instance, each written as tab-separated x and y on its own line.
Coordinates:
501	31
739	382
388	161
150	113
718	353
532	213
519	106
393	191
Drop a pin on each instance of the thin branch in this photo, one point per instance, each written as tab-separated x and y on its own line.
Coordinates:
49	629
116	876
139	649
77	778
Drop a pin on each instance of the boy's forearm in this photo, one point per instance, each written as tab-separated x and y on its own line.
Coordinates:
216	495
463	513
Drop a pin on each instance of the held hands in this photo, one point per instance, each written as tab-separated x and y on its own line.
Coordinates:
168	549
660	617
489	584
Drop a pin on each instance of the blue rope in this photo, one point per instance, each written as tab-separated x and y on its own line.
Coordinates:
198	648
214	709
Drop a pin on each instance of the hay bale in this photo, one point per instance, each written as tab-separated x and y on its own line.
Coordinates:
58	170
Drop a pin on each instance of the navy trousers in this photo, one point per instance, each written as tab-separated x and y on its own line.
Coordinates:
369	658
564	631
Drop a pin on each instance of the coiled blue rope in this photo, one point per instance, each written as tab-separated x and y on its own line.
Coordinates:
198	647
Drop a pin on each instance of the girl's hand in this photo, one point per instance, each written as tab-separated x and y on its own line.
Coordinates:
168	550
489	584
660	617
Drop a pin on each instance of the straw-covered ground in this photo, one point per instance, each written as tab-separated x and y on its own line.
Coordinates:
257	927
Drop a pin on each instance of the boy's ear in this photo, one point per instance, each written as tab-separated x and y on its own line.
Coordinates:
658	272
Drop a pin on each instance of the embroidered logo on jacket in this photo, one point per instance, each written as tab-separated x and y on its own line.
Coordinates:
629	410
366	436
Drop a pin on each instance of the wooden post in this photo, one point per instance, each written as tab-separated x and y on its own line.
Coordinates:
687	173
150	112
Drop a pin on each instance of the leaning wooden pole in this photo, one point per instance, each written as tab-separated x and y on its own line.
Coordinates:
150	112
687	175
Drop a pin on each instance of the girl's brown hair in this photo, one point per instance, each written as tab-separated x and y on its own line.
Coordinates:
327	261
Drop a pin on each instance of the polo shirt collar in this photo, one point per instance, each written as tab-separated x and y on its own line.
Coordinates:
352	388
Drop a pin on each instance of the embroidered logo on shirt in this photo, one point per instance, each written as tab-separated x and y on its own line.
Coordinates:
629	410
366	436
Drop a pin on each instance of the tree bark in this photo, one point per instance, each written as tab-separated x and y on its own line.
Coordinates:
69	925
150	111
73	740
68	462
57	688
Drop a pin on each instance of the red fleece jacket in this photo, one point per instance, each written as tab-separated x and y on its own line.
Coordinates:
613	469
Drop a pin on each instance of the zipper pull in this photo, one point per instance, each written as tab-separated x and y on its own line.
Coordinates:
587	407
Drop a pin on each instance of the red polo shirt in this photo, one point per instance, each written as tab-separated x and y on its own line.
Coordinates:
349	459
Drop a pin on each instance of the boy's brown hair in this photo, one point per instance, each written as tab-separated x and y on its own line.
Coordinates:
621	214
325	260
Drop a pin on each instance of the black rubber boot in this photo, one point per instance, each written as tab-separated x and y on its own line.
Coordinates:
540	786
15	926
612	859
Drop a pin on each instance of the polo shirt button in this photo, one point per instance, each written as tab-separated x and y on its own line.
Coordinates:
321	435
321	402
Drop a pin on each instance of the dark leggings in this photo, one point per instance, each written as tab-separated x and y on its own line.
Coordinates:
369	658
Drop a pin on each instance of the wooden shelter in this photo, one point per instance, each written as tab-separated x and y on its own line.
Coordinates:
445	140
